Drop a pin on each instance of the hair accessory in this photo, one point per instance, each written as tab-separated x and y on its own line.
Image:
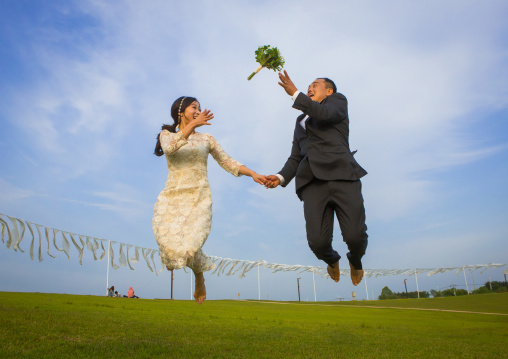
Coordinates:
180	108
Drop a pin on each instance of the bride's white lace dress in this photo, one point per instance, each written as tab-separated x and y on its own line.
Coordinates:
183	211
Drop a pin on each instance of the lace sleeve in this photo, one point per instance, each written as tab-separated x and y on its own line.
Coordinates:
223	159
171	142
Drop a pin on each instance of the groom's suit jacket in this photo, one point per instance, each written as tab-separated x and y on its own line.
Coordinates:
322	149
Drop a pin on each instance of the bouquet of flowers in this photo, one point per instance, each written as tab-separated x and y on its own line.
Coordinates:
268	57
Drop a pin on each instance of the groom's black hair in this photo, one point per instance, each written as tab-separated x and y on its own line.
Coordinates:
329	84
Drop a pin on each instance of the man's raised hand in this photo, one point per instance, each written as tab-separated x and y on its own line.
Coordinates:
287	84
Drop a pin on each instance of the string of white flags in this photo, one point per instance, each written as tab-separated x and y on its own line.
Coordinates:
14	230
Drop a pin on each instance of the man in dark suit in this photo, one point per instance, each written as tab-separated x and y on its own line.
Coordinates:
327	177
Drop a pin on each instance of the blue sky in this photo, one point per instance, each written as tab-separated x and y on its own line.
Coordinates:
86	85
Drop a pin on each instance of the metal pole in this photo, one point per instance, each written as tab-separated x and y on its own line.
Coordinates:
405	285
505	282
490	284
298	282
474	286
107	271
172	277
417	290
366	289
463	270
314	280
259	286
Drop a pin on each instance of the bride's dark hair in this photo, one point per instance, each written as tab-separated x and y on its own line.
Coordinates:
177	109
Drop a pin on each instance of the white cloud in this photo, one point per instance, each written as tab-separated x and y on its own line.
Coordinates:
119	207
12	193
476	247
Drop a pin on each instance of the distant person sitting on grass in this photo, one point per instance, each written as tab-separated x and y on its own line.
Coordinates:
130	293
111	291
117	294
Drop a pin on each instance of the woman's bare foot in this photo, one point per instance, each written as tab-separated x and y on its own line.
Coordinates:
356	275
200	290
334	271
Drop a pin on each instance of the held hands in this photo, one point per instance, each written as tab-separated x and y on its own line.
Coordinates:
287	84
256	177
259	178
268	181
202	119
272	181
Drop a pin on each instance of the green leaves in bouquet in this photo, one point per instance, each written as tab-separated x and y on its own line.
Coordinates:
269	57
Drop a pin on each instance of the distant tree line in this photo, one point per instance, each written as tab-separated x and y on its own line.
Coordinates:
448	292
496	286
386	293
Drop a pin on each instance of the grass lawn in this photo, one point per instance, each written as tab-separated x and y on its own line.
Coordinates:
486	303
37	325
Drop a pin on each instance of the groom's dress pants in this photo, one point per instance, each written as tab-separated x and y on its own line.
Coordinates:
323	199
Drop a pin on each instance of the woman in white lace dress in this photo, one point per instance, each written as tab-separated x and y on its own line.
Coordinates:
183	211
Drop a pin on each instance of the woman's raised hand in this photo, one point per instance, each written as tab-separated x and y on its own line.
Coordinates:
202	119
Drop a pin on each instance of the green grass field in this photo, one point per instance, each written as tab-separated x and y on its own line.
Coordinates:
37	325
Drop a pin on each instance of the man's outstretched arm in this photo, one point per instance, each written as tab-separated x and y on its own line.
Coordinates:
288	172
